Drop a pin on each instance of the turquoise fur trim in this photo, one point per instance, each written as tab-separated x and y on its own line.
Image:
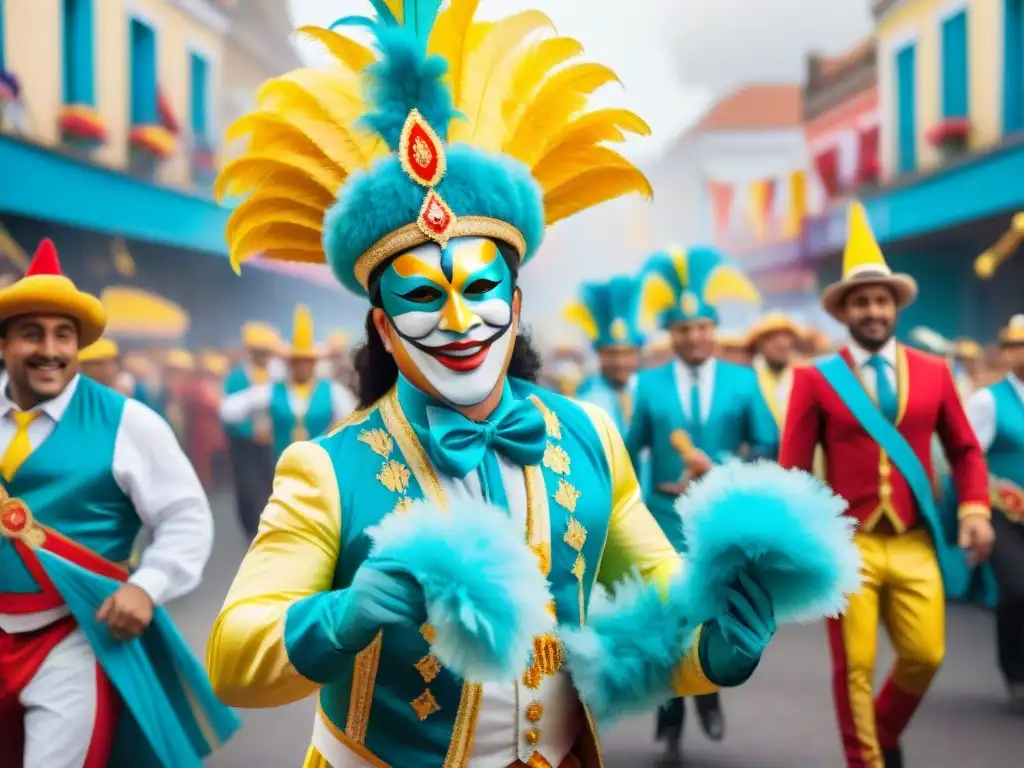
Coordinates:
784	527
383	199
485	596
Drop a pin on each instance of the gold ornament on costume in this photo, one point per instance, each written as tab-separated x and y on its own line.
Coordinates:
394	476
619	330
1008	498
556	459
688	304
380	442
17	522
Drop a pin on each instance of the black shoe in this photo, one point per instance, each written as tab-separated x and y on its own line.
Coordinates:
712	721
672	756
893	758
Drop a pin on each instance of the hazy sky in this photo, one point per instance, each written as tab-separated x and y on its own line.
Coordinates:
674	55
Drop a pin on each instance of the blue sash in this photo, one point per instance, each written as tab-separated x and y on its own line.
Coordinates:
849	389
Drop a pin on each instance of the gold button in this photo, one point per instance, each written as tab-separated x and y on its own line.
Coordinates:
532	736
884	470
885	490
534	711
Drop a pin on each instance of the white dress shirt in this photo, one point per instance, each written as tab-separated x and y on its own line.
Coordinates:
867	373
152	470
501	726
242	406
704	375
981	412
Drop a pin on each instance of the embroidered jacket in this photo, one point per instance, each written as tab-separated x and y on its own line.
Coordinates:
584	517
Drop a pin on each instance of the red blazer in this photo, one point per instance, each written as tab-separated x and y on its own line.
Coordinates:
858	470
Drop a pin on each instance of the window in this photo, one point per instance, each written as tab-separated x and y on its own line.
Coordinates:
143	75
954	66
1013	67
200	72
906	148
79	87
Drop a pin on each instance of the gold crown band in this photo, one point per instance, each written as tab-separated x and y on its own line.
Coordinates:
411	235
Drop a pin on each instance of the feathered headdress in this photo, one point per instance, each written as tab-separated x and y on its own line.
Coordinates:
677	286
452	128
609	312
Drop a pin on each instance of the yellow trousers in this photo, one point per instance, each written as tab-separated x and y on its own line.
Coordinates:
902	589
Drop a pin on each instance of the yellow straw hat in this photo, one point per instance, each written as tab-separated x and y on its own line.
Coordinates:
180	359
303	343
968	349
101	349
45	290
731	340
214	363
1013	333
773	322
864	264
260	337
338	340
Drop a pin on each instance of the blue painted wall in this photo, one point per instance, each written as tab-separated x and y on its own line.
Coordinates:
906	108
199	72
955	75
79	52
1013	66
142	58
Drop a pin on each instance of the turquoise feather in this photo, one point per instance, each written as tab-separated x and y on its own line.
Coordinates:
384	13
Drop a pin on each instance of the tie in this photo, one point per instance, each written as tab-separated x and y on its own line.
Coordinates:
884	391
457	446
20	447
695	416
259	376
625	406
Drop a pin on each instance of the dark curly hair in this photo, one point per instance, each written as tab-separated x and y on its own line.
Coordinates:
377	372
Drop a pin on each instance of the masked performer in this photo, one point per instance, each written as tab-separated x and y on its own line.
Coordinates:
693	412
86	653
249	440
997	415
431	214
874	408
301	407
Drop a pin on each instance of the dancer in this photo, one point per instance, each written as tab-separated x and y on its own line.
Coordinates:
693	413
433	225
609	314
997	416
93	672
874	407
300	408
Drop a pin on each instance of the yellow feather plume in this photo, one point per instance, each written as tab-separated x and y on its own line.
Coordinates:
294	256
595	186
450	39
514	80
656	296
348	52
487	69
561	97
576	312
531	71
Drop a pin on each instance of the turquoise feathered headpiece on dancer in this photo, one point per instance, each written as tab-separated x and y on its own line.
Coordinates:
609	312
678	286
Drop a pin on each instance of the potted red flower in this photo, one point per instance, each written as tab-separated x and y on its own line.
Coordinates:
950	137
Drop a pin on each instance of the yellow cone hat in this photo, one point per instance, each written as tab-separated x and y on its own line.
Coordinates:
303	344
772	322
864	264
1013	333
260	337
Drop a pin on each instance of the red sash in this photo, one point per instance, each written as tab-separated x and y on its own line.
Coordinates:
27	535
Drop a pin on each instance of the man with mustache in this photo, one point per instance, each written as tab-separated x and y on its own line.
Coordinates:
997	416
874	408
84	469
434	234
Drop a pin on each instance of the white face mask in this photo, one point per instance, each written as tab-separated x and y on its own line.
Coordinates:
452	310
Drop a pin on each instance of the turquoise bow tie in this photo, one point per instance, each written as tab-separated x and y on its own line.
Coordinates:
457	445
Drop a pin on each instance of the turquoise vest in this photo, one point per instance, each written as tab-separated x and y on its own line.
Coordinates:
67	483
738	415
1006	454
238	381
318	419
380	465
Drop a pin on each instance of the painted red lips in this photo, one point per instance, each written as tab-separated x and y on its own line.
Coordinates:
462	363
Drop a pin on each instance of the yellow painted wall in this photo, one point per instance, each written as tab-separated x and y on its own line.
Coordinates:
33	37
920	21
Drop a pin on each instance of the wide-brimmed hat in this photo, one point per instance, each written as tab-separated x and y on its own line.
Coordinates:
864	264
772	322
101	349
1013	333
45	290
261	337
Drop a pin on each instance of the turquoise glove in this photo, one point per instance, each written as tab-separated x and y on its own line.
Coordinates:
382	594
731	645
